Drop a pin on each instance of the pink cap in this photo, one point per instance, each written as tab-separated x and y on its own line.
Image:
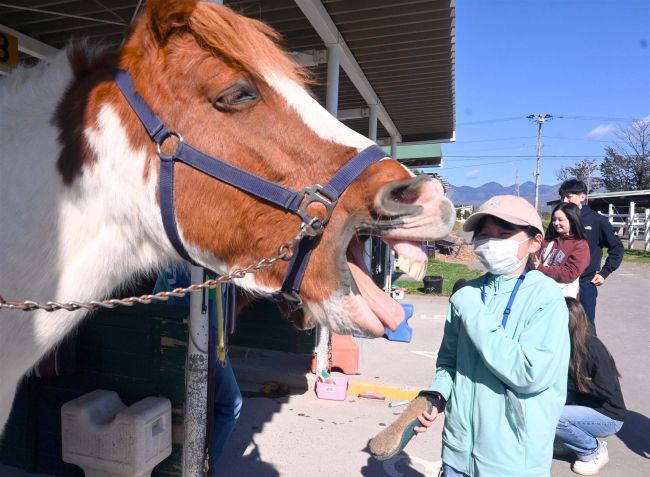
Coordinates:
510	208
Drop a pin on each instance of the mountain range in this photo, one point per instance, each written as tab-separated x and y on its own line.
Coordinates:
466	195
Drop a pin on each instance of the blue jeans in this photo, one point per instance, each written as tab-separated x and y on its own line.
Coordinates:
448	471
579	427
227	407
588	295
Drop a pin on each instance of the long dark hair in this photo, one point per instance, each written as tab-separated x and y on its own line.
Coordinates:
578	331
572	213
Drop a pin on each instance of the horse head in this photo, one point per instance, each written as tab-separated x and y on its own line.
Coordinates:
220	80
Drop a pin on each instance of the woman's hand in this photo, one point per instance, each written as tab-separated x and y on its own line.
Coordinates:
426	419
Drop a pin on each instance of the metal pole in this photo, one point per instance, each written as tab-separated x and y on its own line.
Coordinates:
372	134
333	62
538	166
372	122
390	255
196	384
323	337
196	378
393	147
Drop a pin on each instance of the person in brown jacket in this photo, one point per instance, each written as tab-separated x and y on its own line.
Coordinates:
564	255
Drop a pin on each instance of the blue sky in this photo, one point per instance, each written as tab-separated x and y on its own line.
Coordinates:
585	62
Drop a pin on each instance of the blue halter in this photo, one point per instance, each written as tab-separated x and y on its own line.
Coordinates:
276	194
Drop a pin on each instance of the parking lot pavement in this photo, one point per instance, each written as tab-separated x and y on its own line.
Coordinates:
301	435
298	434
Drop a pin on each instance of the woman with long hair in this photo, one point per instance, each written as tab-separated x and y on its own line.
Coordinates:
595	406
565	251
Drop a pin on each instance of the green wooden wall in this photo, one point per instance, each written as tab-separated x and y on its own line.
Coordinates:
137	352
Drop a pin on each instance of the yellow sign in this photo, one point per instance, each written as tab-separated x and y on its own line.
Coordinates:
8	49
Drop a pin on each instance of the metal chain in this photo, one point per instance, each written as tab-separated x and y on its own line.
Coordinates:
284	254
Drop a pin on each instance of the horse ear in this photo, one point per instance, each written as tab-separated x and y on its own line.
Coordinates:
169	15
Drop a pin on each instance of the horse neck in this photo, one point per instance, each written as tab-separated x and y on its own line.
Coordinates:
83	239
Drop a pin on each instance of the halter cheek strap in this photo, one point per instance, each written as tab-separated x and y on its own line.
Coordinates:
276	194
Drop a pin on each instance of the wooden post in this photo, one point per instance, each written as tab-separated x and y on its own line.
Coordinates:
647	231
610	213
630	227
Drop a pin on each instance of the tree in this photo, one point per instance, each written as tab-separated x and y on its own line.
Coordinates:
584	171
627	162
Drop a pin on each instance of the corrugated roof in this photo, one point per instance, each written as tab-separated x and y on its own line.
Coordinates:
405	48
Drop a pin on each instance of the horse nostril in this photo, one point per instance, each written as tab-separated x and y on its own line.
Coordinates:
403	195
400	198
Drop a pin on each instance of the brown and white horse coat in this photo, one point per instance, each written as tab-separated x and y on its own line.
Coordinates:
79	205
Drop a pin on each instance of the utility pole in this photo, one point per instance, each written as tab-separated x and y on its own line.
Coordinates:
517	183
539	119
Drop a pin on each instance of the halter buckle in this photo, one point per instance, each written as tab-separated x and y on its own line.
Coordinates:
314	226
163	138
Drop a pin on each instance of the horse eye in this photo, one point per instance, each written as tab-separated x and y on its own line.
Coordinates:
238	95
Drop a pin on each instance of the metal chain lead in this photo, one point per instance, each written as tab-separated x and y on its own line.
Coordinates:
284	254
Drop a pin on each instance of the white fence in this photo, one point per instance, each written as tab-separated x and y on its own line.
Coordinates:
631	225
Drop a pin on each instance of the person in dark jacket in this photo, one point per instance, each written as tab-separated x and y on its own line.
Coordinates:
600	234
594	406
564	255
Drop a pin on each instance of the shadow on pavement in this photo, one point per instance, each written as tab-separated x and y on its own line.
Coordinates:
635	433
399	466
242	453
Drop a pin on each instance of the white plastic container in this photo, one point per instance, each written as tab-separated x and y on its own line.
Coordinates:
107	439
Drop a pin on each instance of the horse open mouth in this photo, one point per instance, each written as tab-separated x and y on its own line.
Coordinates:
375	309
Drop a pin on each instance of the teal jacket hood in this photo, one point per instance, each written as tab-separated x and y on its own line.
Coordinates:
505	388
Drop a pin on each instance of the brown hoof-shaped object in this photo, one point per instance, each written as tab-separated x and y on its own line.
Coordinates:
394	438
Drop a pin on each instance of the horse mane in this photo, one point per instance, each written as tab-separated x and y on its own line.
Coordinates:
243	42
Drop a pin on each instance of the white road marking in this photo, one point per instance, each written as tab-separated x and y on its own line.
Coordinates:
426	354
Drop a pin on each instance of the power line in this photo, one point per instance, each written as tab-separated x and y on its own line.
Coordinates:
556	156
591	118
490	121
495	139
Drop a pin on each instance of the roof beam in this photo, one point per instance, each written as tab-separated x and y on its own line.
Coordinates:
31	46
315	12
309	58
353	113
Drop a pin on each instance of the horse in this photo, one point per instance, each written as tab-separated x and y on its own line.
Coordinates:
80	198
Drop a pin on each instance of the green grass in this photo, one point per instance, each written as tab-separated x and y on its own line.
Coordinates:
449	271
633	256
636	256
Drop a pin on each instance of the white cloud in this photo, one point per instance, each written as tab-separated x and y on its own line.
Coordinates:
600	131
473	173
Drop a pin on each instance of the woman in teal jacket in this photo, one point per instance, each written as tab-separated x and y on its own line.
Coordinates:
502	365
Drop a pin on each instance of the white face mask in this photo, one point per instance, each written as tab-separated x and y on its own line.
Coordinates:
499	256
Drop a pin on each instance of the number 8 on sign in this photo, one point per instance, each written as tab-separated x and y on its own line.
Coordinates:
8	49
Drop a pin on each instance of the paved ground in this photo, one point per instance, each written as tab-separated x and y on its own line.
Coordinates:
300	435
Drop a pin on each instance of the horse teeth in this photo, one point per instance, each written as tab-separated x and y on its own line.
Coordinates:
416	269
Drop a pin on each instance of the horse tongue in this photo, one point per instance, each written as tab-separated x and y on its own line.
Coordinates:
389	312
411	257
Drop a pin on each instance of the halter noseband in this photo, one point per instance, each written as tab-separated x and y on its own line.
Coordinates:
296	202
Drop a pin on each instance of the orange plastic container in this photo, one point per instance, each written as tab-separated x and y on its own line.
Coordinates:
344	355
